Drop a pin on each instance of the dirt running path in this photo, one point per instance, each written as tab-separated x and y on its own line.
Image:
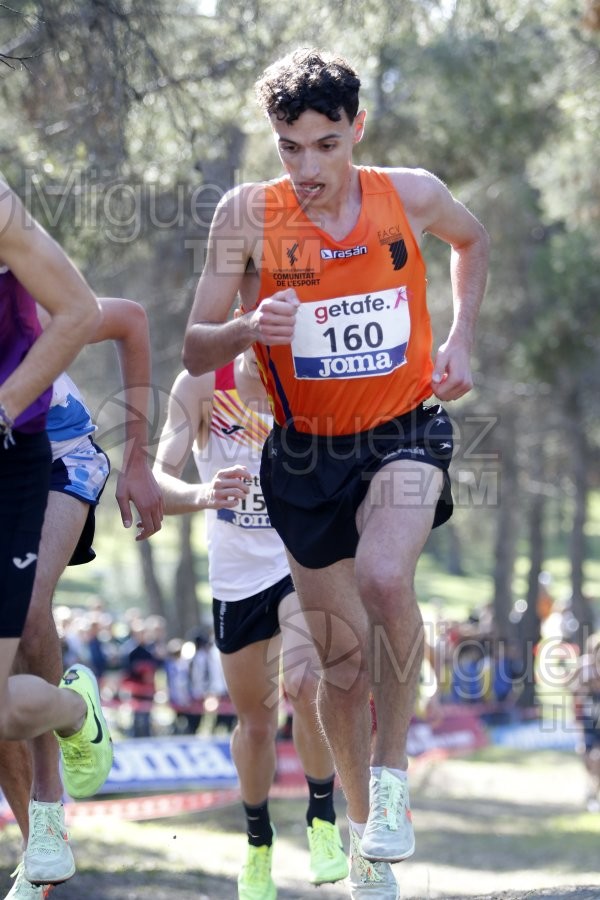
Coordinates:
502	828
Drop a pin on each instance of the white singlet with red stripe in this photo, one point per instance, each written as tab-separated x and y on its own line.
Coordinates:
245	554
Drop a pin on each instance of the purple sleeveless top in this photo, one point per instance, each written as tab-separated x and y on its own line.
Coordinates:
19	329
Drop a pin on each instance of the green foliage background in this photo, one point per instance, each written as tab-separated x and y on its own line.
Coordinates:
124	121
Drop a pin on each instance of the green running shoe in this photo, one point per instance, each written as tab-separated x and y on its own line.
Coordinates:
254	881
87	756
328	862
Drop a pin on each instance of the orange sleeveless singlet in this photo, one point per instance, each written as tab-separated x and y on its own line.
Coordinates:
361	352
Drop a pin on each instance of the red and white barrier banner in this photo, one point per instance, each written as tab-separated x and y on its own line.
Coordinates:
138	809
455	731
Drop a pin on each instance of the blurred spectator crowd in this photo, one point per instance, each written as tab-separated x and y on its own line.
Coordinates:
154	685
466	663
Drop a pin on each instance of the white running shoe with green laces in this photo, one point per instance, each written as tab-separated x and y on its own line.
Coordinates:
48	858
389	835
87	756
370	880
23	890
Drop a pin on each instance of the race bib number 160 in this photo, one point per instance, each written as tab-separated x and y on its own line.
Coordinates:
348	337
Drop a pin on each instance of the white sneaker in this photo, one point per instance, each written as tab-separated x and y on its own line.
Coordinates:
48	858
389	835
370	880
23	890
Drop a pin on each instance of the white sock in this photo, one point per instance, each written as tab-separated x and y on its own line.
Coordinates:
402	774
356	828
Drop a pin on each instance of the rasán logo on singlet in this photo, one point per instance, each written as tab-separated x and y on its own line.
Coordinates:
359	250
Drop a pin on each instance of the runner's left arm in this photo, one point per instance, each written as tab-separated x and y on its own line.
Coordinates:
248	382
432	209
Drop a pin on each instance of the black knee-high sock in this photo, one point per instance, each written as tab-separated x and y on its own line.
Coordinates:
320	803
258	825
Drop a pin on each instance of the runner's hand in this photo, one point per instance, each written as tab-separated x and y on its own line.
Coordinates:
227	488
137	485
274	320
452	377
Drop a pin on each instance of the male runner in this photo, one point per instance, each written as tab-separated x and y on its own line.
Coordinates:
257	620
79	472
328	265
32	264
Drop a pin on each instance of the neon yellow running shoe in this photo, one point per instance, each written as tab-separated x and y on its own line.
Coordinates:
87	756
254	881
328	862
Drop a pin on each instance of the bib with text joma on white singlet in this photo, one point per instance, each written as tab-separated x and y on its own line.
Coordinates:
347	337
251	511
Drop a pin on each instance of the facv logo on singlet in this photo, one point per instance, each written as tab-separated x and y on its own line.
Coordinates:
359	250
392	236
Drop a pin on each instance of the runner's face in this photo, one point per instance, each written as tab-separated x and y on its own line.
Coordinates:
317	154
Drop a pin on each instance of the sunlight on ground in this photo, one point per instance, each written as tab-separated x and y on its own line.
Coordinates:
495	822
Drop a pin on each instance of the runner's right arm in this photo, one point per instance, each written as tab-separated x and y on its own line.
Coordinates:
47	273
211	341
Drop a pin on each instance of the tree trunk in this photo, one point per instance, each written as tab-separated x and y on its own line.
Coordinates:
455	564
186	600
580	604
530	625
506	529
154	594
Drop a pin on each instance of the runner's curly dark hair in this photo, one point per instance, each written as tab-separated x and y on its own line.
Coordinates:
308	79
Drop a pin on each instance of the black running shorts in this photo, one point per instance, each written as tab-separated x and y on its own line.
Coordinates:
238	623
314	484
24	484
